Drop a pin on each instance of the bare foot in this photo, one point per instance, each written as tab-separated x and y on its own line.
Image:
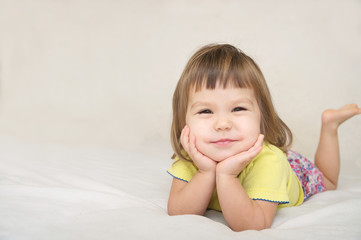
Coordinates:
335	117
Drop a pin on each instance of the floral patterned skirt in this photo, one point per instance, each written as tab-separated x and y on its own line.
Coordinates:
310	176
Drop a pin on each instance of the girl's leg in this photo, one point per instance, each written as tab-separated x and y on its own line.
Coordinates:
327	158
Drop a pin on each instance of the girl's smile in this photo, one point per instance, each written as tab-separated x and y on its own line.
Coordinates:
223	142
224	121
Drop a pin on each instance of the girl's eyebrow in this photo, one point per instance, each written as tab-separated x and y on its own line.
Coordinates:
235	102
199	103
244	100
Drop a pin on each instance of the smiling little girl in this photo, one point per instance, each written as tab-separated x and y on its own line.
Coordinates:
231	147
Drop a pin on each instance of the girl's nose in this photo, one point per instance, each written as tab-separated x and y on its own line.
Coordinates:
222	124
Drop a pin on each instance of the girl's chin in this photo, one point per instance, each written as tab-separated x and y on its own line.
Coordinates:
219	158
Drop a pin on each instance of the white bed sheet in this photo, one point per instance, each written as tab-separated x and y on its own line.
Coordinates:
54	192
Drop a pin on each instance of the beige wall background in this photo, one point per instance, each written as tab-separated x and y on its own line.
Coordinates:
102	73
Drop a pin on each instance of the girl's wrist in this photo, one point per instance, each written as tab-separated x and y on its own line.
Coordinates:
224	179
226	175
228	172
209	173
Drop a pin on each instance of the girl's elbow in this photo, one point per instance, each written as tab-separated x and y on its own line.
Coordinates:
175	211
240	228
172	211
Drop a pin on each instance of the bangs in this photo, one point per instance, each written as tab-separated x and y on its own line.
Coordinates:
221	68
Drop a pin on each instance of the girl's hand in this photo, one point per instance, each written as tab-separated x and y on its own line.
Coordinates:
233	165
203	163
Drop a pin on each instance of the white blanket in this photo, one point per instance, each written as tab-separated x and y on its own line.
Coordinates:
55	192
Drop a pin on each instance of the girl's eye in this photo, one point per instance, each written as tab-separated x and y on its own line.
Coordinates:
238	109
206	111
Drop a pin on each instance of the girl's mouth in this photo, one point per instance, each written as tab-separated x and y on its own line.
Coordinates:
223	142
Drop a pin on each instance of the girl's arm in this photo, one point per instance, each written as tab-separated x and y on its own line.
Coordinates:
192	197
241	212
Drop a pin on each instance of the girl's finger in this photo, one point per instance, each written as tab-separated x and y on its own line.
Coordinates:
185	138
182	134
192	144
259	141
195	154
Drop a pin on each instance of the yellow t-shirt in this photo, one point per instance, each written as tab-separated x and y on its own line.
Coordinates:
267	177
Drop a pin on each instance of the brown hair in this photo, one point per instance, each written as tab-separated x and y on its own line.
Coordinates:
224	65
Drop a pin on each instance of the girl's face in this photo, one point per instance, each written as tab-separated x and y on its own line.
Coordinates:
224	121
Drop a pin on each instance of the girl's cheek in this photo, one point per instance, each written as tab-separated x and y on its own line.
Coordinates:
199	131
